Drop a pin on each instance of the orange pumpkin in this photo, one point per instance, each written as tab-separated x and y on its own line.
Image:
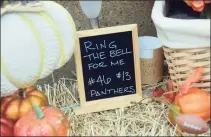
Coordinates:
45	121
196	101
15	106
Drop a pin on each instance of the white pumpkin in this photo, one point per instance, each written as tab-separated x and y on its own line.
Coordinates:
34	44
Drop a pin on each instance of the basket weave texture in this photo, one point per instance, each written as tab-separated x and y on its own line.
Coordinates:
181	63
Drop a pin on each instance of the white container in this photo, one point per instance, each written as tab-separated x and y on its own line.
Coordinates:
151	59
180	33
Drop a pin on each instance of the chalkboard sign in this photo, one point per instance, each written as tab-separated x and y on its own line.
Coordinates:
107	65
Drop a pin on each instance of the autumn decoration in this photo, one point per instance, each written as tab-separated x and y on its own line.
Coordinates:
44	121
16	105
194	100
193	103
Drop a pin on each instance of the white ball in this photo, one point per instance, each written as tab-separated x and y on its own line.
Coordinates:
19	49
65	25
7	88
33	45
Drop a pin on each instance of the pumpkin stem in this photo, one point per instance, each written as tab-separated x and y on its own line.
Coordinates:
38	111
22	93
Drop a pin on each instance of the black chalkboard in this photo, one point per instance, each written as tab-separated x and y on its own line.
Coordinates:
108	65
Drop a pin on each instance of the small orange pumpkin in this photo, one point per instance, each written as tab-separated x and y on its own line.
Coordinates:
44	121
196	101
15	106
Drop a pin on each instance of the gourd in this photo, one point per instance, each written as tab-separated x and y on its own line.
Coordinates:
45	121
36	39
18	104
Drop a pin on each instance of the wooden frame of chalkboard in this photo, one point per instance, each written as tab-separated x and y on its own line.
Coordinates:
108	68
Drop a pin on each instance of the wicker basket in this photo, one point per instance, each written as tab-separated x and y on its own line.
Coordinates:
181	62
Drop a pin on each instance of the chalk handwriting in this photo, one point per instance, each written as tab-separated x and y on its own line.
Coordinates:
118	62
100	55
109	66
96	65
119	52
121	90
123	75
100	79
90	46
